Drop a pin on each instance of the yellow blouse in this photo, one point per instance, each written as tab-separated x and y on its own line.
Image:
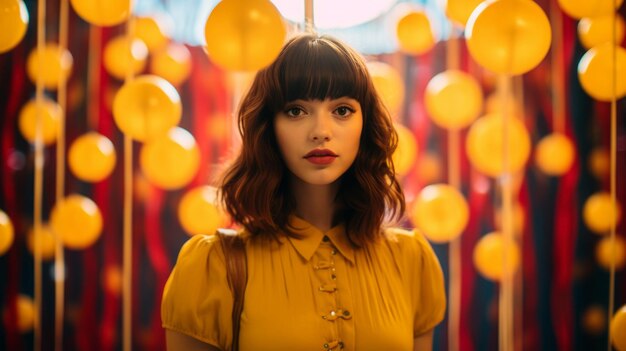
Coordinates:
315	293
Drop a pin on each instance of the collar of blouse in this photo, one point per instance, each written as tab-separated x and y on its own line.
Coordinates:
312	237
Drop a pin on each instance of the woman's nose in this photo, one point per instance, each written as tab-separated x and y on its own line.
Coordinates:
321	129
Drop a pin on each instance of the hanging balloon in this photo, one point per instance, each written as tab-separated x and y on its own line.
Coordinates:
440	212
555	154
77	221
599	213
389	85
599	162
46	242
171	161
594	320
146	107
6	233
113	280
153	31
597	68
485	144
491	259
429	167
618	329
92	157
102	12
594	31
172	63
508	36
459	11
244	35
453	99
198	212
25	313
608	253
51	64
589	8
14	19
414	33
48	112
124	57
406	152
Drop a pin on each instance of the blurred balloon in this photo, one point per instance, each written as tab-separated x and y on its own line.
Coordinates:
555	154
170	161
112	280
172	63
25	313
153	30
146	107
49	113
508	36
597	68
607	254
429	167
14	22
123	57
441	212
453	99
599	162
50	64
406	152
594	31
102	12
7	233
46	240
459	11
589	8
388	84
599	212
490	256
414	33
244	35
198	212
486	149
618	329
92	157
594	320
77	221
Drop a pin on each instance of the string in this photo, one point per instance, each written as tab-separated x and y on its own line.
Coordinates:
557	77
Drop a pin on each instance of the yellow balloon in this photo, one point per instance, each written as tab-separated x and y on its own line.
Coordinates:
172	63
555	154
153	31
13	23
50	64
414	33
429	166
244	35
486	148
171	161
44	239
599	212
594	31
7	233
113	280
123	57
92	157
459	11
406	152
198	212
508	36
492	260
48	112
77	221
595	72
389	85
618	329
26	315
440	212
599	162
589	8
594	320
607	253
102	12
147	107
453	99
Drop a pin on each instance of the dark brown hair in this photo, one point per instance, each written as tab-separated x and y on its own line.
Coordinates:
255	188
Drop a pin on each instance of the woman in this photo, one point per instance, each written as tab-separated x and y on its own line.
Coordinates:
312	188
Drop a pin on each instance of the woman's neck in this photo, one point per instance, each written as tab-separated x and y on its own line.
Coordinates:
315	203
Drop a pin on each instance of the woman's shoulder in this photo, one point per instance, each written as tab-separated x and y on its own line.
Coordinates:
408	244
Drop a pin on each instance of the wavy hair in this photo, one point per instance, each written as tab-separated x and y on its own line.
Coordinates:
255	189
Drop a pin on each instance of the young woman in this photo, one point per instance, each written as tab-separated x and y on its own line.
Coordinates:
312	188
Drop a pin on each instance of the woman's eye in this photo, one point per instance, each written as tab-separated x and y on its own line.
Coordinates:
294	111
344	111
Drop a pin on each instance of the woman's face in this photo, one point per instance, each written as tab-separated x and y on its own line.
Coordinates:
319	140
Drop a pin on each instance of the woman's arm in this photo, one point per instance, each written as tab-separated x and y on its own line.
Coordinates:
176	341
424	342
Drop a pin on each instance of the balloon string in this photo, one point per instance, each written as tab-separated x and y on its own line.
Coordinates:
613	175
309	16
557	76
59	258
38	181
93	76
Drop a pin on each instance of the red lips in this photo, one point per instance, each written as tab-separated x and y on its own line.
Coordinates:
320	156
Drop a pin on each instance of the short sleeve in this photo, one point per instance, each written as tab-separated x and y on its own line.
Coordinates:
196	299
